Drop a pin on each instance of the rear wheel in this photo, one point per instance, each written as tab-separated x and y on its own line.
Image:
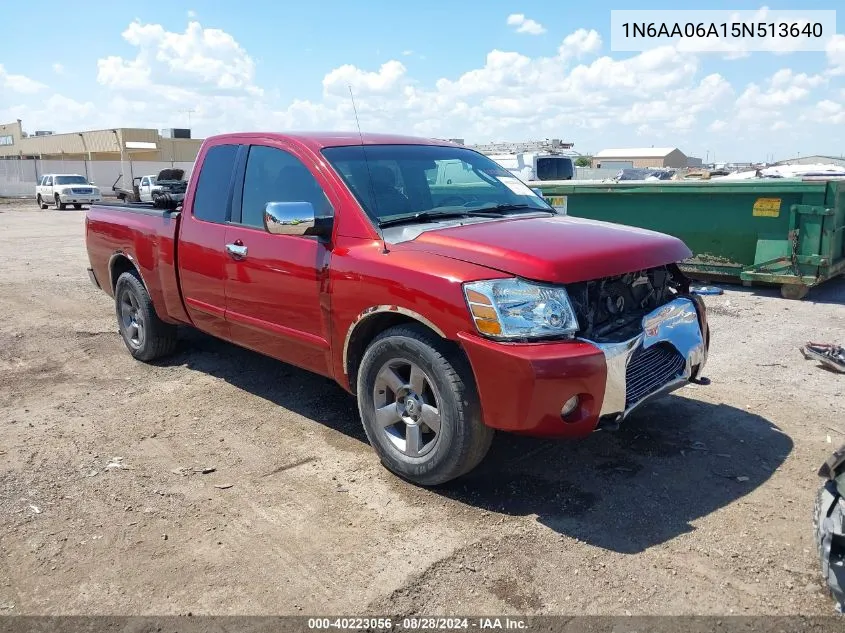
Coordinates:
146	336
77	206
60	204
41	203
419	406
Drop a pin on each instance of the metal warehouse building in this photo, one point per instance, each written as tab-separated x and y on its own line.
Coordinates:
640	157
815	159
136	144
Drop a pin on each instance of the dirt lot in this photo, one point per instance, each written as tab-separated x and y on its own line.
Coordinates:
702	504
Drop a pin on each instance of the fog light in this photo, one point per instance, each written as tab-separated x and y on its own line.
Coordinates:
569	406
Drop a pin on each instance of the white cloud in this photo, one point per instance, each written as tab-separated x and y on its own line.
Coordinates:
525	25
580	43
835	51
58	68
827	111
19	83
200	59
386	80
192	14
786	77
407	53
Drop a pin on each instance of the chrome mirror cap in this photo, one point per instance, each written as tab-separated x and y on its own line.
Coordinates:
288	218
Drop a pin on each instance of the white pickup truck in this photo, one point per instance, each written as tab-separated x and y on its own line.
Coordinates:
65	189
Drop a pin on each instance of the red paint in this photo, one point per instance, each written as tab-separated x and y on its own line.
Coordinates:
555	249
297	299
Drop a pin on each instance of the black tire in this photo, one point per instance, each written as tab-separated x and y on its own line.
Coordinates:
77	206
145	335
42	205
462	440
59	204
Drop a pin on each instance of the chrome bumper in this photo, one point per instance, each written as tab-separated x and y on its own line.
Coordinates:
676	324
79	199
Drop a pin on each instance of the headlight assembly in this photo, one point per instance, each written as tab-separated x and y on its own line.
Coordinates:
516	309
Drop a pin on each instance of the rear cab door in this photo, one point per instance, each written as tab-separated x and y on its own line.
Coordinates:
202	237
277	285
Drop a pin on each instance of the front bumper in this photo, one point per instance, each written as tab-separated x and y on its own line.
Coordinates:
72	198
523	387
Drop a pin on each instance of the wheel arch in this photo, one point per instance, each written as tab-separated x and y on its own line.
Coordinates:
369	324
122	262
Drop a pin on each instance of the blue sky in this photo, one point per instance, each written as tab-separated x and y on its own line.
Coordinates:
437	68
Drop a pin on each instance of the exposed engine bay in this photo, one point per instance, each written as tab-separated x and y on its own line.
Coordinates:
170	188
611	309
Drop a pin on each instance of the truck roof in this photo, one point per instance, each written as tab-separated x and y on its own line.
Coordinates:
319	140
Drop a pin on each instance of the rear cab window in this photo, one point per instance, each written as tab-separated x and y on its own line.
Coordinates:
212	199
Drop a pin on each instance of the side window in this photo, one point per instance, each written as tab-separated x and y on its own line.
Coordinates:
211	200
144	181
274	175
48	181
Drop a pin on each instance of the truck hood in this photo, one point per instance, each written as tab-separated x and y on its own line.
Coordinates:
558	249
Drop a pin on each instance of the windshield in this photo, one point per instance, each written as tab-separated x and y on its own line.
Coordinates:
71	180
400	180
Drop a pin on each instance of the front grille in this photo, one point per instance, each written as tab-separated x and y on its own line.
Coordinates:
79	191
650	369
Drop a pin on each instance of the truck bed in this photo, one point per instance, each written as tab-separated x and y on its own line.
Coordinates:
144	235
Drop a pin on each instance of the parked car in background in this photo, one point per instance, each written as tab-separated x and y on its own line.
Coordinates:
537	166
65	189
449	309
161	189
140	191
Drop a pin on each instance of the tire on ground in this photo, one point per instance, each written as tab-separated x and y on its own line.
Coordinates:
159	338
463	439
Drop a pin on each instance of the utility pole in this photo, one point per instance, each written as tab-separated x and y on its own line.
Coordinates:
189	113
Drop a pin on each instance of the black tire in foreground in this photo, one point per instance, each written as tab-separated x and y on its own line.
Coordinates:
77	206
41	203
59	204
146	336
419	406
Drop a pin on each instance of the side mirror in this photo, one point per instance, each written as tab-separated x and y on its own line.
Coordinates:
289	218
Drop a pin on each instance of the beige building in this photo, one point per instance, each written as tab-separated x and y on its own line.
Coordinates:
133	144
640	157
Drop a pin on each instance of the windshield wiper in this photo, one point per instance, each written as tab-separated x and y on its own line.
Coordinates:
427	216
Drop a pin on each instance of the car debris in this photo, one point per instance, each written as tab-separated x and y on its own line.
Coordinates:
829	525
830	355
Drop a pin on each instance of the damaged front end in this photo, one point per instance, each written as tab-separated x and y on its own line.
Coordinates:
829	525
652	331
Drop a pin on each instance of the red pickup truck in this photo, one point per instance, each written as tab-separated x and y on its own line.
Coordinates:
424	278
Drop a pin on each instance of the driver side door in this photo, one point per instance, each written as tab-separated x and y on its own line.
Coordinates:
276	285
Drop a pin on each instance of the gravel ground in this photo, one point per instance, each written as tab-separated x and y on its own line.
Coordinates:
699	505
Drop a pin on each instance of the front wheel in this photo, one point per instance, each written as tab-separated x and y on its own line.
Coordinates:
77	206
146	336
419	406
59	204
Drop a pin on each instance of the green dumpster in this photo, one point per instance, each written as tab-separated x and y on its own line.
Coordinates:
789	232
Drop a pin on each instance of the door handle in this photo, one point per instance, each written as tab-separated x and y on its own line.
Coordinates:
237	251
